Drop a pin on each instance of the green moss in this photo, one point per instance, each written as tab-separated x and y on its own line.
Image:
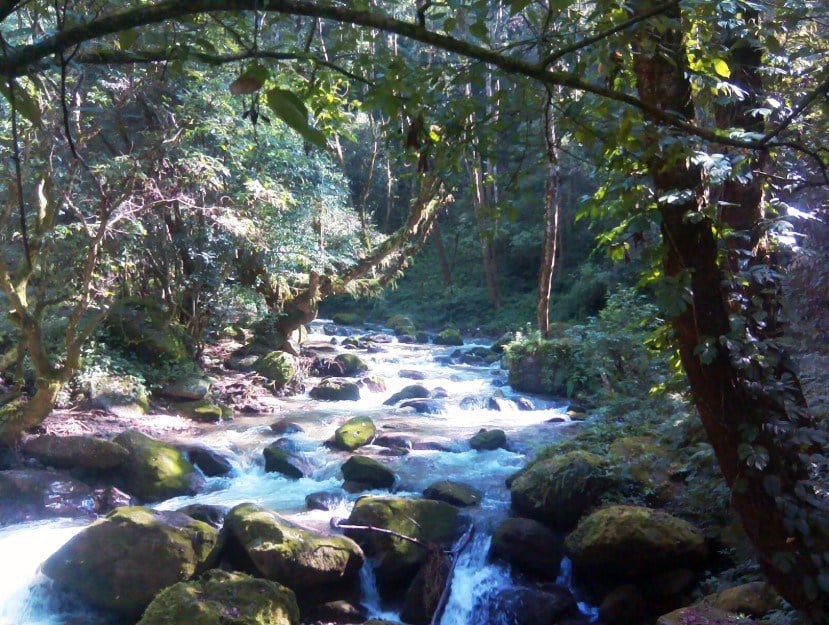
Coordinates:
368	471
204	411
355	433
278	367
449	336
352	365
335	390
347	319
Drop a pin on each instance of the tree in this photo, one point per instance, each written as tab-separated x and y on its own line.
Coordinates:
725	324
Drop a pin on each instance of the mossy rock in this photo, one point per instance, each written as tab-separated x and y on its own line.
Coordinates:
401	324
354	433
146	330
488	440
351	365
543	367
397	561
277	460
624	542
754	598
347	319
368	471
558	491
529	546
224	598
75	452
278	367
412	391
122	561
449	336
282	552
334	389
156	470
203	411
703	614
455	493
122	395
188	388
647	461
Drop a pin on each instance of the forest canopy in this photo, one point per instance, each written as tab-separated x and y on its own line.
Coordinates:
187	151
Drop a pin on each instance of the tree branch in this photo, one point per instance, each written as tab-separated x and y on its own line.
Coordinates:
799	109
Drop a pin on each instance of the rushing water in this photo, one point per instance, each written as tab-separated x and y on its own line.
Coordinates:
27	598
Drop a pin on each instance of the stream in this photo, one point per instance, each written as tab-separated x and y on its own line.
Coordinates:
28	598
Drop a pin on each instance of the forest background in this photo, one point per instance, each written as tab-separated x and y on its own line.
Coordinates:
218	161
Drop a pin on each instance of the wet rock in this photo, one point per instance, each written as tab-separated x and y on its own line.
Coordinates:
423	595
411	374
30	494
211	462
155	470
624	605
754	598
284	426
499	404
189	388
109	498
354	433
397	561
213	515
335	613
701	613
329	329
278	367
368	471
224	597
449	336
278	460
455	493
488	440
283	552
351	365
558	491
524	404
471	403
203	411
374	384
81	452
324	500
477	356
529	546
535	606
624	542
122	561
499	345
378	337
413	391
334	389
394	442
423	406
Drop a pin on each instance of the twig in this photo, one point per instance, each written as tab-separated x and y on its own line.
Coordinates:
370	528
463	541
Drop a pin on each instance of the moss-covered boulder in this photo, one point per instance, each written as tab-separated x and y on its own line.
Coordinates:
543	367
701	613
278	367
401	324
630	541
75	452
223	598
276	549
455	493
203	411
122	561
449	336
529	546
122	395
558	491
354	433
279	460
367	471
188	388
754	598
397	561
334	389
143	328
156	470
412	391
351	365
487	440
347	319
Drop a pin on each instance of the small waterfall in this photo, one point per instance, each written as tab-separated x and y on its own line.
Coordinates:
370	596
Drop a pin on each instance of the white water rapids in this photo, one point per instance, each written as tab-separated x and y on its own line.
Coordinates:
27	598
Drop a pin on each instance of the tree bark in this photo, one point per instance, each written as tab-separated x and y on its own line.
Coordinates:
443	261
747	396
551	213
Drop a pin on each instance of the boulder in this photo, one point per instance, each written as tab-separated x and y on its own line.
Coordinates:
265	544
529	546
284	426
155	470
335	389
374	384
30	494
368	471
534	606
411	374
124	396
347	319
325	500
397	561
122	561
226	598
423	595
143	328
338	612
211	514
413	391
203	411
189	388
701	613
455	493
351	365
354	433
424	406
278	367
449	336
75	452
211	462
624	605
558	491
754	598
278	460
488	440
624	542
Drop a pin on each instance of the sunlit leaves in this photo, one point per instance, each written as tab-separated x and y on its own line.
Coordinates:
292	110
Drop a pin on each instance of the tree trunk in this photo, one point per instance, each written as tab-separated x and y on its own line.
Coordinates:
551	212
479	206
443	262
747	396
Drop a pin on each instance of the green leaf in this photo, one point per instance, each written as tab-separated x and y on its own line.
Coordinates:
479	30
721	68
516	6
26	105
292	110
